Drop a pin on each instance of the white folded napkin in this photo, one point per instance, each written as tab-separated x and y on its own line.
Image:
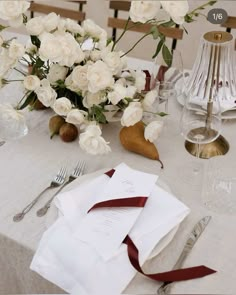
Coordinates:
77	267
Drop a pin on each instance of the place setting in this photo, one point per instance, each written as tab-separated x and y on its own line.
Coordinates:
117	172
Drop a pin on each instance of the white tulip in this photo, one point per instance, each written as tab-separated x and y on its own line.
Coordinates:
62	106
46	94
99	77
142	11
31	82
76	117
153	130
176	9
92	142
132	114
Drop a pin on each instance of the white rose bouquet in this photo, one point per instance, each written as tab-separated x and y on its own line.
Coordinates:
76	71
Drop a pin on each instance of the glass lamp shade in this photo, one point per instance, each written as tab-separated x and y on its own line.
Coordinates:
214	68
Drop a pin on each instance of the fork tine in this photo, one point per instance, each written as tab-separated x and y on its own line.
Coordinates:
80	168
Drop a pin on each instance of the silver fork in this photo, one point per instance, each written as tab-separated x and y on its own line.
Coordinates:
75	174
57	181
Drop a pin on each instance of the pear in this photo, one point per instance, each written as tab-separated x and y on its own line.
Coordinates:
55	124
68	132
37	105
132	138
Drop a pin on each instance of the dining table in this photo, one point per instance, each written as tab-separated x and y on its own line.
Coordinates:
29	164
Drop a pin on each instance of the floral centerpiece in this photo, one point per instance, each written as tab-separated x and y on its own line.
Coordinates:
77	72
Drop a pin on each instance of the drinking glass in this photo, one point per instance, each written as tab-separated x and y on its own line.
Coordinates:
201	121
12	123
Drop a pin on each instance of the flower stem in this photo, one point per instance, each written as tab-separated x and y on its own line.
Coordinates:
144	36
200	8
24	74
124	31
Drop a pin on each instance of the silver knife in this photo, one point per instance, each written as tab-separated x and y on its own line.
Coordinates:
192	239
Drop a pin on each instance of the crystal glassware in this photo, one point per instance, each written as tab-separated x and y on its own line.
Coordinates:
12	123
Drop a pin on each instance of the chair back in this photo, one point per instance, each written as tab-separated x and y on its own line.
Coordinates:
77	15
229	25
115	23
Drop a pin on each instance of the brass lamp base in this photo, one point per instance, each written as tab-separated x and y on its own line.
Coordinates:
218	147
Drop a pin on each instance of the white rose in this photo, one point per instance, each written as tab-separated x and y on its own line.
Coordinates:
92	142
56	72
91	99
150	98
119	92
70	85
35	26
132	114
95	55
99	77
113	61
5	62
50	21
60	47
79	77
31	82
142	11
50	48
93	30
153	130
46	94
16	50
140	79
76	117
73	27
131	90
62	106
12	11
176	9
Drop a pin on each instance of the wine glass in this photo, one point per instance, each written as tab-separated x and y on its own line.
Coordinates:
200	122
12	124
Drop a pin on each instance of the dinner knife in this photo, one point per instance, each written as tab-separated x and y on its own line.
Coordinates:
192	239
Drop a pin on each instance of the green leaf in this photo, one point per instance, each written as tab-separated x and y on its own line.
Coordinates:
162	114
99	115
39	63
30	99
3	27
211	3
155	33
159	46
167	56
35	41
168	24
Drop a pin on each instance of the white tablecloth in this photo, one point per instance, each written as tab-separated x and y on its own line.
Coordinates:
28	165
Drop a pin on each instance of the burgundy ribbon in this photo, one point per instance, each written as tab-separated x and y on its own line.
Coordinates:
133	253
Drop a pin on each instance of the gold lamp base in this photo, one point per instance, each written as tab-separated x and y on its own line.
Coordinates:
218	147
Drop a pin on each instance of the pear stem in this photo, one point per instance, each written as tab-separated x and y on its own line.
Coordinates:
162	165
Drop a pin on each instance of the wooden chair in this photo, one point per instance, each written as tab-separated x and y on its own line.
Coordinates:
229	25
78	15
117	23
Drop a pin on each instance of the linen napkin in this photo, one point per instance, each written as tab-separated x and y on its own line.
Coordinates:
76	266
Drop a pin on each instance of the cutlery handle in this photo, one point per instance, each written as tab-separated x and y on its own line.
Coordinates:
30	205
19	216
164	289
42	211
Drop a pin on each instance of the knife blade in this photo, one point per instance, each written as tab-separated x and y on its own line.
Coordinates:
191	241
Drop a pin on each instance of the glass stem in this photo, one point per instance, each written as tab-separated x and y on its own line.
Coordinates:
196	168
